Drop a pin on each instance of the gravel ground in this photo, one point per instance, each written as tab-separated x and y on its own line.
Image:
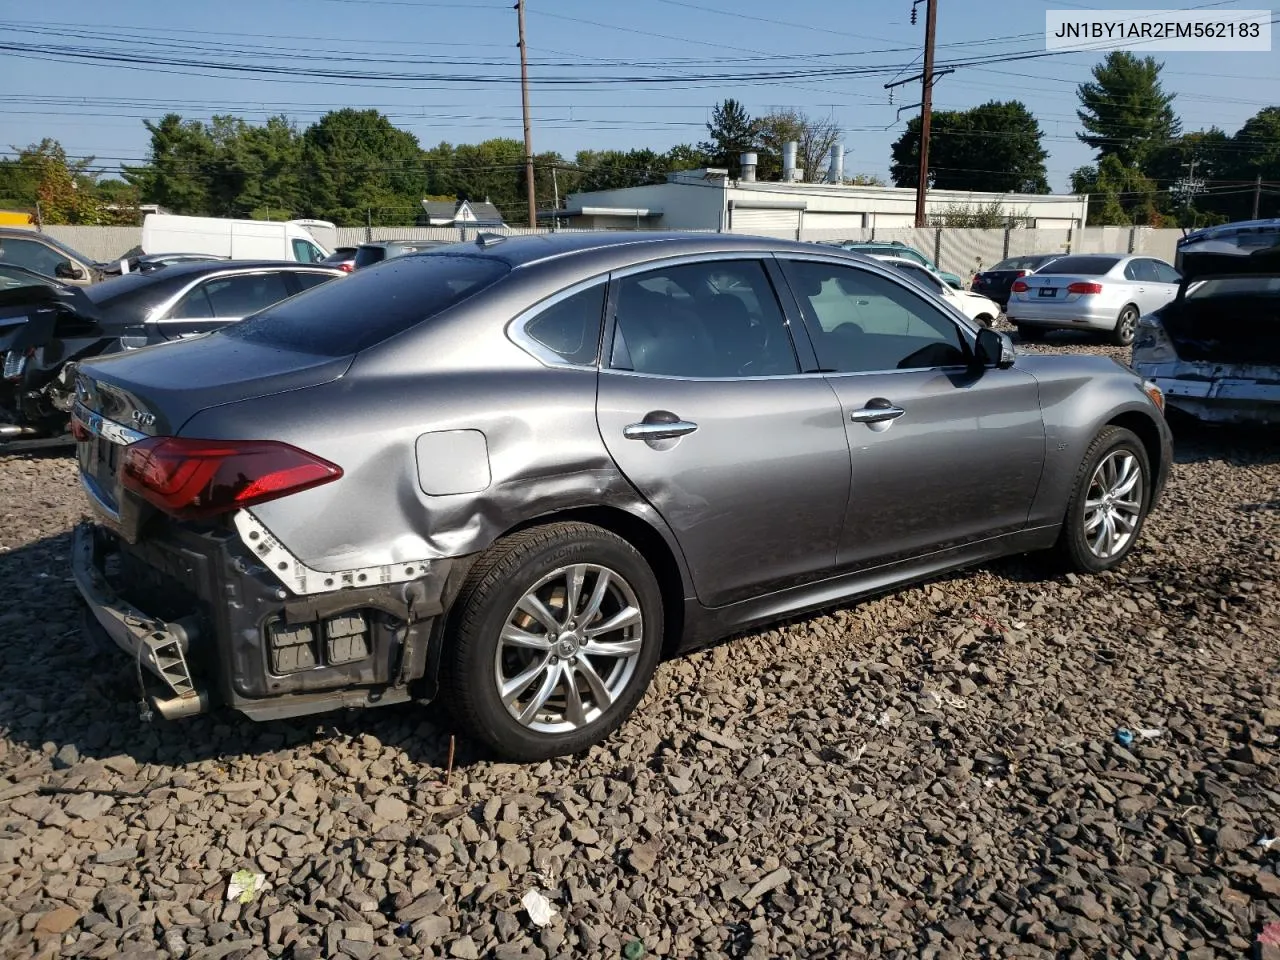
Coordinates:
930	774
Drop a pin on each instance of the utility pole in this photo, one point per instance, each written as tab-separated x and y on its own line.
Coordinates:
528	137
926	79
926	108
1257	195
555	187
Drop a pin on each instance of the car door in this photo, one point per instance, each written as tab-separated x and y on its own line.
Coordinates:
221	299
703	406
1148	291
942	454
1167	279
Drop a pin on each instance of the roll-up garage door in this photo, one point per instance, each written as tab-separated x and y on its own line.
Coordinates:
766	222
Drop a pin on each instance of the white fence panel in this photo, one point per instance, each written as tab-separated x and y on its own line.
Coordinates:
966	251
98	243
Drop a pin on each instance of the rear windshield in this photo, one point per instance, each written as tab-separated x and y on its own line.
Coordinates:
368	255
1084	266
1020	263
353	313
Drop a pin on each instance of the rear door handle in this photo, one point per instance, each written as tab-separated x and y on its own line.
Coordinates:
877	410
658	431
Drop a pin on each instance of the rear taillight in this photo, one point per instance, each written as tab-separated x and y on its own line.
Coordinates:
200	478
1023	273
1019	287
79	430
346	267
1081	287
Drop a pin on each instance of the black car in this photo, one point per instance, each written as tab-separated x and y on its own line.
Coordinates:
995	283
367	254
47	326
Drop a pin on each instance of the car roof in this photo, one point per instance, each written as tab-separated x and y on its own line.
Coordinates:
637	246
191	268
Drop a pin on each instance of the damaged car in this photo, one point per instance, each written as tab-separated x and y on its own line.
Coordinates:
513	475
1215	349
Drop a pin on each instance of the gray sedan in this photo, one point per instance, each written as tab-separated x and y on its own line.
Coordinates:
1102	292
515	474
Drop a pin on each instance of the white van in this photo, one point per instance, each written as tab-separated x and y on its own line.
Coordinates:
236	239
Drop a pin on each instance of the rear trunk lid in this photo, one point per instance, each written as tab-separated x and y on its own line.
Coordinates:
1054	287
1228	308
154	391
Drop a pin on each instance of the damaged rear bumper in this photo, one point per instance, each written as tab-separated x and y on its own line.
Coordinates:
206	624
1219	394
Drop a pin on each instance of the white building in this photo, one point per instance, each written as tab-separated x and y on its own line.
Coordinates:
709	200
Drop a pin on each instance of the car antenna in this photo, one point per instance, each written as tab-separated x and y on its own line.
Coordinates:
488	239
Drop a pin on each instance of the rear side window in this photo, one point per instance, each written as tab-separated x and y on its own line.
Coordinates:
337	319
367	256
571	328
1084	266
1166	273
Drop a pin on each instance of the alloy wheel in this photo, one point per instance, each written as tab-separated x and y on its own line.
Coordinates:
568	648
1113	504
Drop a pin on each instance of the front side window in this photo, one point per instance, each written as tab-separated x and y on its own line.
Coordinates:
307	280
31	254
716	319
235	297
304	251
915	255
570	328
921	275
863	322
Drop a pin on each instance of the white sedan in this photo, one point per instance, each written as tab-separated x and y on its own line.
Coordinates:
973	305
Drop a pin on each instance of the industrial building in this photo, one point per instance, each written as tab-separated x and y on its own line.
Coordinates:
708	199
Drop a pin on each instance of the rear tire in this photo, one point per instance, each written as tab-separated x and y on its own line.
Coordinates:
1108	505
1029	334
986	319
1126	326
532	678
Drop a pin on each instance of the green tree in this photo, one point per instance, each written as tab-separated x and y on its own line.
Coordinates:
615	169
1118	195
357	161
993	147
731	133
177	172
1125	111
685	156
1255	152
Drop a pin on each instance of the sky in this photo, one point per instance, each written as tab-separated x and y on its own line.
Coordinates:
604	74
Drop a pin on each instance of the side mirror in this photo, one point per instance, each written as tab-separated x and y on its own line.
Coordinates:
68	271
994	349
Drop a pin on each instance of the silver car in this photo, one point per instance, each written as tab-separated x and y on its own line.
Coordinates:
1091	291
515	474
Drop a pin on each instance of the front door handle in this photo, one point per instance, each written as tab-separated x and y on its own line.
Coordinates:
658	431
877	410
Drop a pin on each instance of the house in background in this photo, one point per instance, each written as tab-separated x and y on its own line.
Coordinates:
460	213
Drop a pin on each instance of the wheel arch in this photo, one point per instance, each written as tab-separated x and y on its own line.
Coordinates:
1142	426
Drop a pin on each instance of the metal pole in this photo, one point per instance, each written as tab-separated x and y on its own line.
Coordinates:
1257	195
926	108
555	187
528	137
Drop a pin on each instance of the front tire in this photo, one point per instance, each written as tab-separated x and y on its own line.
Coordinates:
986	319
1126	326
555	636
1108	505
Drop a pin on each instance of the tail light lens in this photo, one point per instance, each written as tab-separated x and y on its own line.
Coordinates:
200	478
79	430
1023	273
346	266
1019	287
1081	287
